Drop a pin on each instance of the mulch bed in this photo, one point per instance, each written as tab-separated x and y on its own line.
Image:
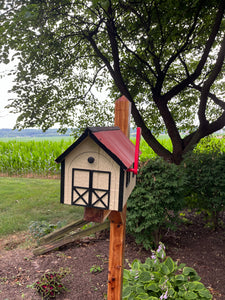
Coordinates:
197	246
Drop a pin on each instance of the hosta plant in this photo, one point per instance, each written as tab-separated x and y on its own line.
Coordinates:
162	278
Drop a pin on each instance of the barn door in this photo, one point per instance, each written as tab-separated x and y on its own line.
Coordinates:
91	188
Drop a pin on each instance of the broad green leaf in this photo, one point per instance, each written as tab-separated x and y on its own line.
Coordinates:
149	262
143	296
204	293
170	264
190	295
172	293
164	269
140	289
145	277
188	271
156	275
196	286
180	278
181	293
153	287
135	264
126	292
126	274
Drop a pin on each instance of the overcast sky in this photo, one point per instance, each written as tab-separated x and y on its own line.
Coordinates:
7	120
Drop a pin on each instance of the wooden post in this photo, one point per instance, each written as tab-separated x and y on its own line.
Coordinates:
122	115
118	219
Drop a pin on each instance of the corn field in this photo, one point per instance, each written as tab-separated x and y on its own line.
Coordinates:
37	157
31	157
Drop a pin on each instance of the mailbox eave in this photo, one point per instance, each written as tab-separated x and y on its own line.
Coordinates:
62	156
111	140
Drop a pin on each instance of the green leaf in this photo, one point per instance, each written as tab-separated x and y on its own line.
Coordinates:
145	277
126	292
140	289
143	296
135	264
164	269
156	275
204	293
172	293
181	293
126	274
181	266
149	262
196	286
187	271
190	295
170	264
180	278
153	287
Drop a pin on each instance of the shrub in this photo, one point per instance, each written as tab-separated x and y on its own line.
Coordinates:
206	189
155	202
164	189
162	278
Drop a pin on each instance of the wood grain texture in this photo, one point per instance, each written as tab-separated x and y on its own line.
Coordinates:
118	219
69	238
122	115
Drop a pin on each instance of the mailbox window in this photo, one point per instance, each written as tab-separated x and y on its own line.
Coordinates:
133	172
127	178
91	188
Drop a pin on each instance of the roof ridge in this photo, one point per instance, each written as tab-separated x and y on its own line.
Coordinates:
103	128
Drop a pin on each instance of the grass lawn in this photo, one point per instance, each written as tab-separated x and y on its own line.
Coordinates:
23	200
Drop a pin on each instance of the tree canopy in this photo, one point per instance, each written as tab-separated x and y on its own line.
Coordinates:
165	56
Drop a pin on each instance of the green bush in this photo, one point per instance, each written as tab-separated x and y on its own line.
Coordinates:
206	189
162	278
155	202
164	189
211	144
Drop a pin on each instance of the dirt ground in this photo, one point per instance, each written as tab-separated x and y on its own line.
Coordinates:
193	244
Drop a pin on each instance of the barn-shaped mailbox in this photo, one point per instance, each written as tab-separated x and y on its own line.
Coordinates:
95	169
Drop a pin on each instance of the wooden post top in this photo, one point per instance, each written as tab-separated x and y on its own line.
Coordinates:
122	115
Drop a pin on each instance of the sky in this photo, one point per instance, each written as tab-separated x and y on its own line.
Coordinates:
7	120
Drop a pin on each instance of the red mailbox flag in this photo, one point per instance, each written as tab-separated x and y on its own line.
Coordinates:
137	146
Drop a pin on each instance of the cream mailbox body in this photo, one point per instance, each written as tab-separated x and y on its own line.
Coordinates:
94	169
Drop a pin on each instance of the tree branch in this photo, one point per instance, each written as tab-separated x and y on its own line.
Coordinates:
215	99
189	80
191	140
171	127
208	83
117	76
144	62
179	51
